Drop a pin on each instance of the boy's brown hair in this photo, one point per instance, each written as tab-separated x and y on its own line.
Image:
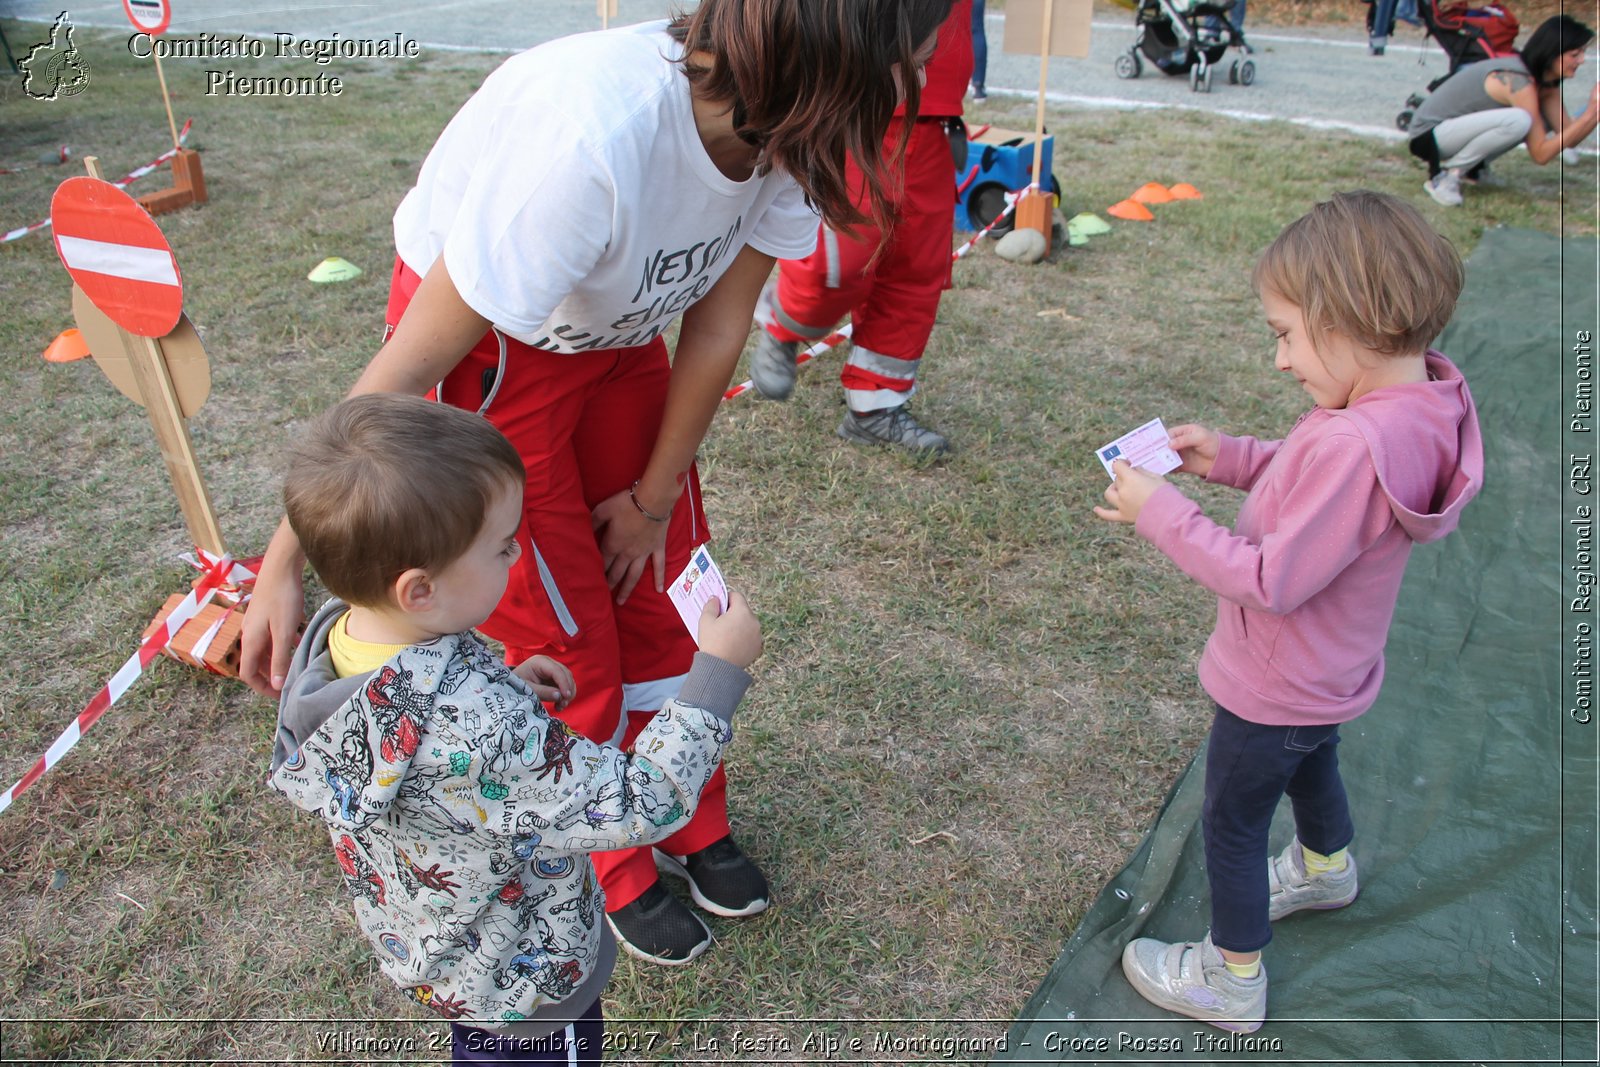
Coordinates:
1368	265
382	483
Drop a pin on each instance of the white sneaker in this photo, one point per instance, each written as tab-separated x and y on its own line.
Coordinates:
1570	157
1290	888
1191	978
1445	188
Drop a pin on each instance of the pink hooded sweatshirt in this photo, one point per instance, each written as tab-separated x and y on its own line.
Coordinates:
1308	578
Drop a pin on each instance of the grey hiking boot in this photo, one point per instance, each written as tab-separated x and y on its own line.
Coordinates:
893	426
1191	978
772	366
1445	188
1291	889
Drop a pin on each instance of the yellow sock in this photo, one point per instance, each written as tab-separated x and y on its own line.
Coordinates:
1244	970
1317	863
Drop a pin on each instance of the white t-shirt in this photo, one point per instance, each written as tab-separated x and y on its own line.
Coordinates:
574	203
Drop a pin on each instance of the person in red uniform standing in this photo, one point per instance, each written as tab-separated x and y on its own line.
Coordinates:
891	296
700	149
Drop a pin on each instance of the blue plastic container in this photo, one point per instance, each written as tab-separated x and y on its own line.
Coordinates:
1004	159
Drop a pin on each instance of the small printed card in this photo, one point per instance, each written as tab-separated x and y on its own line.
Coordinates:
1145	447
699	584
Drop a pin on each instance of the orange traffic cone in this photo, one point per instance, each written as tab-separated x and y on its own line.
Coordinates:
1185	191
1131	210
68	346
1151	193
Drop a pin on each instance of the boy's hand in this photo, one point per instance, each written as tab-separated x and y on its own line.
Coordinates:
734	636
550	680
1129	492
1196	446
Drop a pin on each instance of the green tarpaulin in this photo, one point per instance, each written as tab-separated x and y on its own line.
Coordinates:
1473	784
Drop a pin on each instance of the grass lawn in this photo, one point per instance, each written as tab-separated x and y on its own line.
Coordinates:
974	695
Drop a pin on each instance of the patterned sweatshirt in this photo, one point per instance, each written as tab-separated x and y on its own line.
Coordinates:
462	816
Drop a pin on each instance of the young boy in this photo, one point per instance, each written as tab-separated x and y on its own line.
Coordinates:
461	813
1308	577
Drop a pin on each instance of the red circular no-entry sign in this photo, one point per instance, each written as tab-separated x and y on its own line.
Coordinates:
151	16
118	256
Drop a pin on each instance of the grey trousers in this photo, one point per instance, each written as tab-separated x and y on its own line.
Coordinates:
1466	141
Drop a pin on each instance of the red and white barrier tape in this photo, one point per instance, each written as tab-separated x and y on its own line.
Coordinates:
844	331
218	574
121	183
243	574
1011	205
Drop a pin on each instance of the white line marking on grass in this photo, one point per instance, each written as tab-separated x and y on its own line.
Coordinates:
1118	103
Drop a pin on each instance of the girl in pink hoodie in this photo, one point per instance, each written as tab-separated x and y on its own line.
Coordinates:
1308	577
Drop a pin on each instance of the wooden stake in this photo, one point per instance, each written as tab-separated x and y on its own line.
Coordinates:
165	99
166	417
161	403
1044	78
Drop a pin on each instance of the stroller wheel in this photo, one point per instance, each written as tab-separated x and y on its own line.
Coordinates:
1205	80
1233	73
1194	79
1127	65
1403	120
1247	72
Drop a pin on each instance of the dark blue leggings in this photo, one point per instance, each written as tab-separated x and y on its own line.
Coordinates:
1249	768
576	1043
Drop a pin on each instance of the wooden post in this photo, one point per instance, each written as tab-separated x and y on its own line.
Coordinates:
166	417
1044	82
1035	205
165	99
161	403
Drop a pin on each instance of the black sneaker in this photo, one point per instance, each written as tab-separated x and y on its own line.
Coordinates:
722	879
660	928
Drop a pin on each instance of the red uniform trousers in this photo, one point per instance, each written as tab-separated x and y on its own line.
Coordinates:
893	306
584	425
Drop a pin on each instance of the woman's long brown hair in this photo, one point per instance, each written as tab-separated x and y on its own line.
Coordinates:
812	80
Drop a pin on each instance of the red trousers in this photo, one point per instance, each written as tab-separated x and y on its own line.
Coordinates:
585	425
892	306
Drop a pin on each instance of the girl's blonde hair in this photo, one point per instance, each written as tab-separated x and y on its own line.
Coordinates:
1368	265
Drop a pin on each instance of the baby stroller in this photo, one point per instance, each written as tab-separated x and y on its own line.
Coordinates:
1176	36
1467	35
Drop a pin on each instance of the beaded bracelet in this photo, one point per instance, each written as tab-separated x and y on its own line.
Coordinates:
634	496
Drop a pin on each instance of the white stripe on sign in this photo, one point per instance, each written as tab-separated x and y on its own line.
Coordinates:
119	261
